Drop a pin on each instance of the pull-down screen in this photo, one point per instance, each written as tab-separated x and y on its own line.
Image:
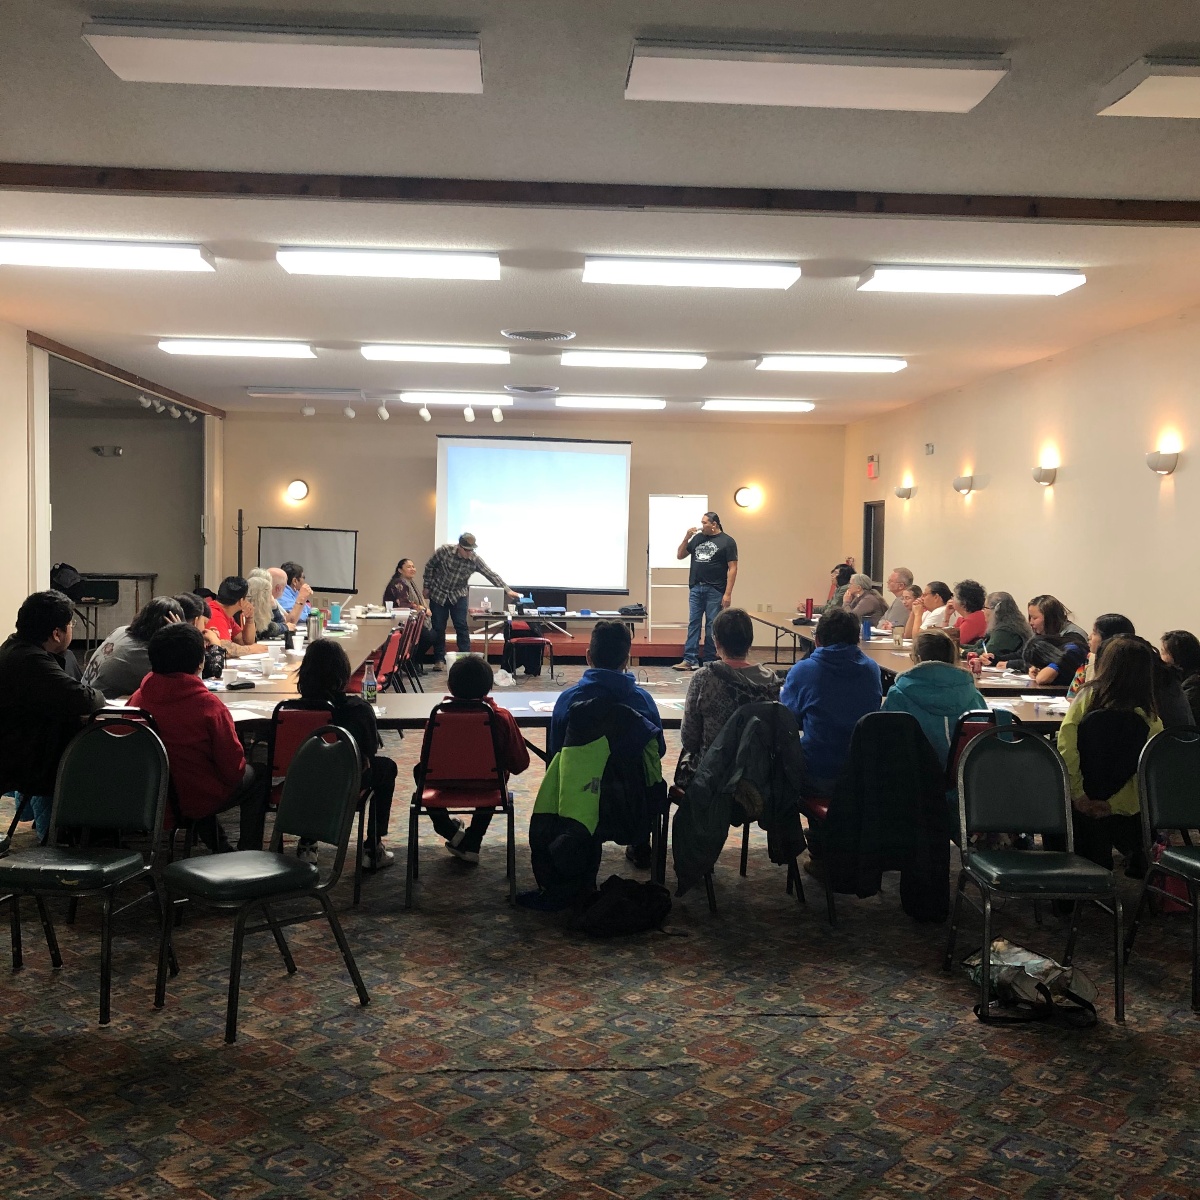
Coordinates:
548	514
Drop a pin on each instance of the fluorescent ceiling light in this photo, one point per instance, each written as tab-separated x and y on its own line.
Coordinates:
237	348
633	358
759	406
627	402
109	256
293	393
483	399
709	74
1155	87
387	264
436	354
972	281
265	56
679	272
865	364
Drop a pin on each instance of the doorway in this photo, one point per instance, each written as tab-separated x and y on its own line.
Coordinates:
872	555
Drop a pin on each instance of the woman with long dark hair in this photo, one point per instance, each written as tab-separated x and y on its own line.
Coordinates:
1181	653
123	660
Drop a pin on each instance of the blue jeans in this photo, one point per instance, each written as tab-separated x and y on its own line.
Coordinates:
704	600
35	809
456	611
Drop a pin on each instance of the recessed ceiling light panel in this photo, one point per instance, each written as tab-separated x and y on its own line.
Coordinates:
694	273
105	256
236	348
436	354
483	399
972	281
853	364
646	359
1155	87
758	406
613	402
387	264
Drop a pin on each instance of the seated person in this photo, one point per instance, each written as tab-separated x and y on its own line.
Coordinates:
937	691
278	583
293	600
1105	626
471	678
607	658
231	618
262	605
1048	618
828	692
195	612
1106	809
935	600
403	592
1007	629
721	687
898	583
323	676
839	581
911	599
1181	652
862	600
208	768
967	606
122	660
41	707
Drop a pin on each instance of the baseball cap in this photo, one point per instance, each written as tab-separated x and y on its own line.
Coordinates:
467	541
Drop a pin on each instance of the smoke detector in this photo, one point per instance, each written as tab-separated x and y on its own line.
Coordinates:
537	335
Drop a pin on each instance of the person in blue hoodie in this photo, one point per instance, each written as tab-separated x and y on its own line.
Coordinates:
828	692
937	691
606	676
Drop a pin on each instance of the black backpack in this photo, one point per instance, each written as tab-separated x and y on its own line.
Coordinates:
622	906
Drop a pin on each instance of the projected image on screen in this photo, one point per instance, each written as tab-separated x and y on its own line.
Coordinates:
551	514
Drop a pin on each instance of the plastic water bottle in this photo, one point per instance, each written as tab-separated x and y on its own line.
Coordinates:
808	608
866	631
369	688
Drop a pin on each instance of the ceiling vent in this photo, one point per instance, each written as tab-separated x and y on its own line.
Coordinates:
530	391
537	335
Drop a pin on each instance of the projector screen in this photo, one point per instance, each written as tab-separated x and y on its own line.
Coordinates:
328	556
548	514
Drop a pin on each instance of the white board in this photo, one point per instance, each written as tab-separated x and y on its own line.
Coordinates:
670	518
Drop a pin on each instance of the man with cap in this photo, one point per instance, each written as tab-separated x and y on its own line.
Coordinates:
445	587
710	584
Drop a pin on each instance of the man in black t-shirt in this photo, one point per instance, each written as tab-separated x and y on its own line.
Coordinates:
710	584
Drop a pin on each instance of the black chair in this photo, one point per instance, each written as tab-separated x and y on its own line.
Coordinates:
112	777
1169	789
1010	778
23	811
319	799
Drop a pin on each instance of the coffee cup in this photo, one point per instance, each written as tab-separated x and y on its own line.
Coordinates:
229	675
388	605
898	635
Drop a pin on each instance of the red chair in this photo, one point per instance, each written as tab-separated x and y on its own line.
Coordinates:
407	664
546	644
459	772
388	664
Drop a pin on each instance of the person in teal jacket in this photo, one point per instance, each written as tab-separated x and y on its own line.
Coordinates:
937	691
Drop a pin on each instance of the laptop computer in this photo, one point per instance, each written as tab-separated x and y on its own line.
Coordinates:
476	594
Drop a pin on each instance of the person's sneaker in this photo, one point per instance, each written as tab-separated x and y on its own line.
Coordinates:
377	859
306	851
460	852
686	666
437	666
540	901
642	857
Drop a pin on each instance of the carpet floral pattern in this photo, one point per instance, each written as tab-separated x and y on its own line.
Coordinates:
754	1054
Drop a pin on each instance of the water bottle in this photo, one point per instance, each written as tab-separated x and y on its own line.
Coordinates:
312	626
289	641
808	608
369	688
866	630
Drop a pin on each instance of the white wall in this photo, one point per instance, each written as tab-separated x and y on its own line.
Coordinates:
14	471
380	479
139	512
1108	536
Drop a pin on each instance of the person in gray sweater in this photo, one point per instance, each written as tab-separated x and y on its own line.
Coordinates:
123	659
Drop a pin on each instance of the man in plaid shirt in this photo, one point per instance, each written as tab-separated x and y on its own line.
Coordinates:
445	587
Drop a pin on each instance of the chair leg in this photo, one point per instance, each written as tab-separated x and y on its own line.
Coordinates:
14	918
106	956
512	854
1118	962
280	940
829	902
165	950
711	892
745	848
1072	934
1143	898
358	862
72	910
235	975
48	929
410	872
1194	896
662	824
985	961
948	960
160	907
795	883
344	947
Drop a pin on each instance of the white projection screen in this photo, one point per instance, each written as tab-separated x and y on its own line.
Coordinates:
328	556
548	513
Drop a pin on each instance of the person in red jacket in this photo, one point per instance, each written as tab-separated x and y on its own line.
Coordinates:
209	771
471	678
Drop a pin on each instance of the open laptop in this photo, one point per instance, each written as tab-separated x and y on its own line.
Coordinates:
476	594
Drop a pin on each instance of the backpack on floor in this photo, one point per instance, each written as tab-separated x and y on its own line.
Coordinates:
622	906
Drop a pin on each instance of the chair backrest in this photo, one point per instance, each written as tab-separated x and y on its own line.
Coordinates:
1169	779
968	727
320	794
389	658
1010	780
459	748
113	775
291	722
411	631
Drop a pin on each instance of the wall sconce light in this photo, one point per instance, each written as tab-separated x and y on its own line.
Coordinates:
964	484
297	490
1045	475
748	497
904	493
1161	463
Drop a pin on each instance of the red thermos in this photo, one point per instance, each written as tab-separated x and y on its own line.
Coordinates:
808	605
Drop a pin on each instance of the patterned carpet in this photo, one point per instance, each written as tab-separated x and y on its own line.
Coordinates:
753	1054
